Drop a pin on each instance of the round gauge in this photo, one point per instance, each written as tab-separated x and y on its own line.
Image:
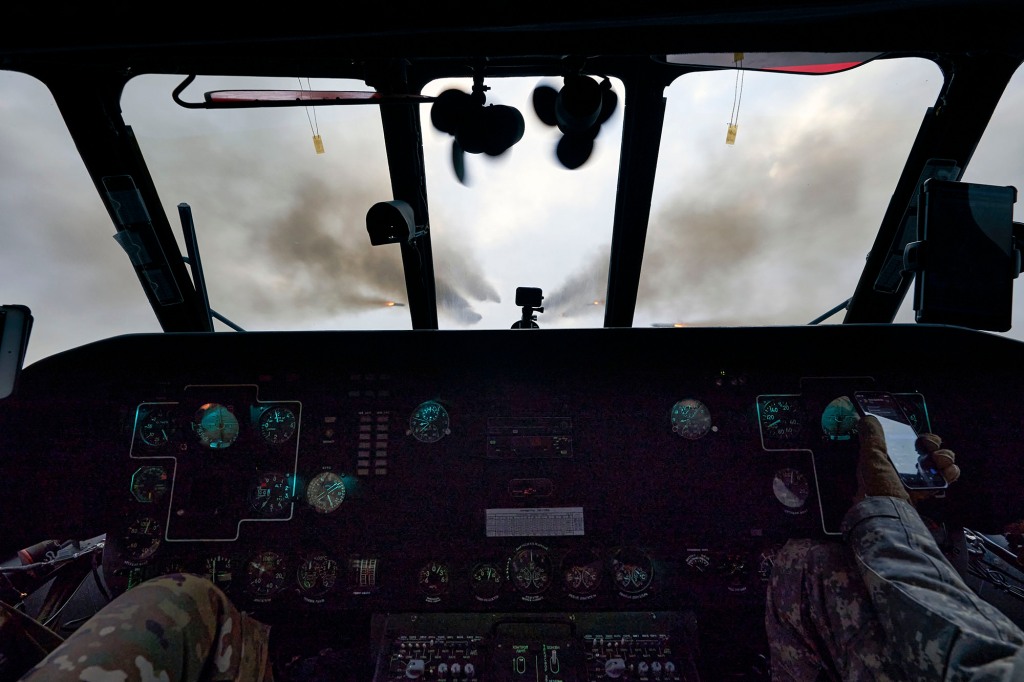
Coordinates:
271	495
839	419
698	561
325	492
141	540
530	570
791	488
150	484
633	571
218	570
429	422
486	581
266	574
215	425
581	573
433	579
278	424
317	575
155	427
691	419
781	419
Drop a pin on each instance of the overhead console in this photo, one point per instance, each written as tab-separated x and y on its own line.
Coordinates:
452	492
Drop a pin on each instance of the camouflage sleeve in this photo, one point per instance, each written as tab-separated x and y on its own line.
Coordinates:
937	626
173	628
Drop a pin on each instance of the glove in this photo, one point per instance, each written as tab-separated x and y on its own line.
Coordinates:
876	475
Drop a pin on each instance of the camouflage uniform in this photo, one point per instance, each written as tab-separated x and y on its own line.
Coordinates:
884	605
176	627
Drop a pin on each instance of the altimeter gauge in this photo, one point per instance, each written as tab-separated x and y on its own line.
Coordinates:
429	422
215	425
271	495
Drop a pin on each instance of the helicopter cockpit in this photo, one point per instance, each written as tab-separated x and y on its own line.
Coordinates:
564	412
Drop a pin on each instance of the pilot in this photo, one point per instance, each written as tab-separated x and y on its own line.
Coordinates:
885	604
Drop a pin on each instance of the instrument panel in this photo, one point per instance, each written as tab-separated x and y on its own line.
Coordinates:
529	472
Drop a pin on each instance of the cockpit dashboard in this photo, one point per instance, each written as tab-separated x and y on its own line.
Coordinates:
403	492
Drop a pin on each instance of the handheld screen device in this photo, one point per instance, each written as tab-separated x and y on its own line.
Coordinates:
914	468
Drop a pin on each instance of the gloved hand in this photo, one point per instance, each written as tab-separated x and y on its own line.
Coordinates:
876	475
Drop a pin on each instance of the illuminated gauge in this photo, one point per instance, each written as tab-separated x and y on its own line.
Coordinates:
278	424
530	570
150	484
218	569
141	540
325	492
581	573
215	425
839	419
486	581
433	579
271	495
317	575
429	422
781	419
691	419
791	489
155	428
632	570
698	561
266	574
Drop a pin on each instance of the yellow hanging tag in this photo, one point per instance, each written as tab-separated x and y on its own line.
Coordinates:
730	137
737	56
318	144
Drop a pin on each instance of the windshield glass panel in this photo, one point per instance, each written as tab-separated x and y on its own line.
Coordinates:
521	219
774	228
281	228
57	256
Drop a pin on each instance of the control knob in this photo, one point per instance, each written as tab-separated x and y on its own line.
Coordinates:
414	669
615	668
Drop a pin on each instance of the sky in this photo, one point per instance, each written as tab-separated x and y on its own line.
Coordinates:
770	230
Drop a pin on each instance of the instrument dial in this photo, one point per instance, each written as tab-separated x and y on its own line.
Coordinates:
266	574
216	426
271	495
150	484
530	570
633	571
434	579
839	419
581	573
155	427
317	575
218	569
691	419
141	540
791	489
325	492
486	582
781	419
278	424
429	422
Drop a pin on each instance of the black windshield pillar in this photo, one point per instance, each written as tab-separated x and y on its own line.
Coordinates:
404	146
643	116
